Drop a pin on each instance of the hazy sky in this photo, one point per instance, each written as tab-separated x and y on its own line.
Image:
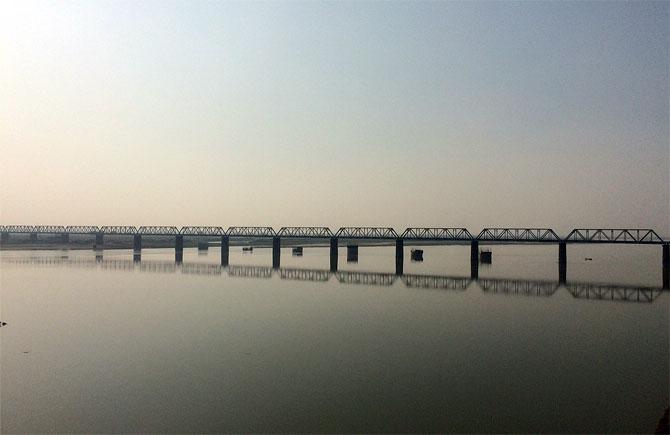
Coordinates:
334	113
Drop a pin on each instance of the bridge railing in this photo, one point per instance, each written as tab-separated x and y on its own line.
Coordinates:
202	231
518	235
306	232
456	234
613	235
251	232
366	233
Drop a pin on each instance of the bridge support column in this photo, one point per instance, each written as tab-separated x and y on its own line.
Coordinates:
399	256
64	238
474	259
562	262
137	242
352	253
99	239
225	249
137	257
276	252
333	254
4	237
33	237
666	266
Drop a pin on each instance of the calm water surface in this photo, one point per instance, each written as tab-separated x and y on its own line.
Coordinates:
111	345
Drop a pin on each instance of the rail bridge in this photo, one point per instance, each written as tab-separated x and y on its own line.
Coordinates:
353	236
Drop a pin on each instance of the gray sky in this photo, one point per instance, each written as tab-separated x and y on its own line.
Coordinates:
333	113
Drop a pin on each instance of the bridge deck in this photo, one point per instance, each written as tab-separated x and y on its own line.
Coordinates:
428	234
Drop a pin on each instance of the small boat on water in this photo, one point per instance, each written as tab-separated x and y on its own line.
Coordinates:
485	257
247	249
416	254
297	251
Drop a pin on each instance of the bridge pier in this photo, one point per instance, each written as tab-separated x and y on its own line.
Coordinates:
474	259
179	243
399	256
4	237
225	250
99	240
33	237
64	238
333	254
276	252
137	257
352	253
666	266
137	242
562	262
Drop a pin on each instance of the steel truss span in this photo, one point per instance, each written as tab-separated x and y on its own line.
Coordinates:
315	275
436	282
81	229
518	235
306	232
607	292
493	235
366	233
457	234
620	235
251	232
118	230
158	231
519	287
202	231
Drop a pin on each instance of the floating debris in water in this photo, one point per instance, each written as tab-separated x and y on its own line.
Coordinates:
588	259
2	323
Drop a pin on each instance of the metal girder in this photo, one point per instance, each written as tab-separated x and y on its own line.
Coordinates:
201	269
305	274
519	287
366	233
366	278
618	235
436	282
306	232
79	229
436	234
118	230
202	231
250	271
613	292
251	232
518	235
19	229
49	229
158	231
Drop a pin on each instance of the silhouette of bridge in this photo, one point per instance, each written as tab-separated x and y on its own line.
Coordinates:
355	235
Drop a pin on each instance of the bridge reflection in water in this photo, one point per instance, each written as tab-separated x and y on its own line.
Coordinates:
492	286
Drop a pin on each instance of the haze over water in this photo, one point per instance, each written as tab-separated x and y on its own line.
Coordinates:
387	114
